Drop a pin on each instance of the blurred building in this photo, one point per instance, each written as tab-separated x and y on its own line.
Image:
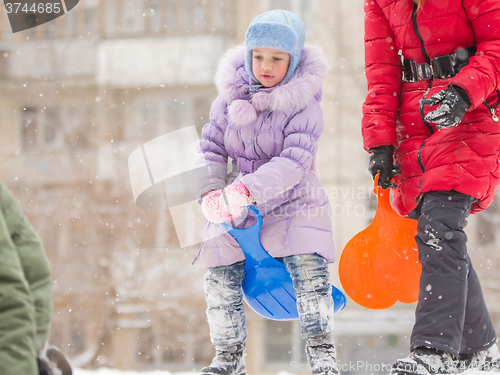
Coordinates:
80	93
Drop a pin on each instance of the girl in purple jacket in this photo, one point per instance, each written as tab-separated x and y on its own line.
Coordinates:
267	120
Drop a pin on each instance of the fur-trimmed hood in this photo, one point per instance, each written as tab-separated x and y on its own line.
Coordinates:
233	84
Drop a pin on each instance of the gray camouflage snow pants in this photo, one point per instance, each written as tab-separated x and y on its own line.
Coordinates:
451	313
224	296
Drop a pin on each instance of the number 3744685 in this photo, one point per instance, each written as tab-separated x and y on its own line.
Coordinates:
33	8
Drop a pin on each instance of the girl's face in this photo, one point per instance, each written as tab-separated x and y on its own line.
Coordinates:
269	65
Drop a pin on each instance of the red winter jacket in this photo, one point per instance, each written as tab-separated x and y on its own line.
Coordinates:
464	158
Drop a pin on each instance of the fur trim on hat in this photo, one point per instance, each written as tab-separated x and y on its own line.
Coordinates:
271	35
294	95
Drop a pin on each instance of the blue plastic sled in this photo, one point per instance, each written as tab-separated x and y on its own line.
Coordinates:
267	287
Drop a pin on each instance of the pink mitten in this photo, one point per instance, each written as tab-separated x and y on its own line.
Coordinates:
237	196
210	206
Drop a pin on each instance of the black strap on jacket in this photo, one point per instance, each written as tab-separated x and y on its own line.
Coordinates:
440	67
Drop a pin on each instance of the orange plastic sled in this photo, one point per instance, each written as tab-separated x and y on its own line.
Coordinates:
379	265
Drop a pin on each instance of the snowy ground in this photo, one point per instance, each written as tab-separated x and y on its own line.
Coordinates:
108	371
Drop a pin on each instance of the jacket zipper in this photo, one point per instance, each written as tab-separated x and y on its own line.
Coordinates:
419	153
419	158
419	36
424	52
493	109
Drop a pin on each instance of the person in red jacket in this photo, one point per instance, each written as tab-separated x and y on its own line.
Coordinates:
430	123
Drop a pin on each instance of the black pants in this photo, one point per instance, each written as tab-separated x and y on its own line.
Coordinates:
451	314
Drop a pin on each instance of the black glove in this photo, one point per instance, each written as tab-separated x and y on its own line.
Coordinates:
382	160
453	103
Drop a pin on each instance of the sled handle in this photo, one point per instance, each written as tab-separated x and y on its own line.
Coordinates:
375	183
383	195
256	226
249	241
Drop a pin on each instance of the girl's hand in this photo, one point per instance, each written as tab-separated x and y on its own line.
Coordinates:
210	206
235	198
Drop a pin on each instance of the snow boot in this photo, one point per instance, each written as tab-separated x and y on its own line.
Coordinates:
485	360
425	361
227	361
321	355
53	362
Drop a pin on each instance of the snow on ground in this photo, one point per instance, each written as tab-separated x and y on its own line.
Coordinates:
109	371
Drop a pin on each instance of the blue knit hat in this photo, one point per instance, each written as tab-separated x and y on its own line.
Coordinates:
277	29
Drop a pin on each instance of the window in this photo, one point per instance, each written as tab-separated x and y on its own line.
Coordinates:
153	12
145	345
301	8
110	18
153	120
51	28
194	15
172	345
282	4
91	18
157	116
71	23
39	128
220	16
78	127
52	126
171	14
29	129
178	113
133	20
4	63
201	113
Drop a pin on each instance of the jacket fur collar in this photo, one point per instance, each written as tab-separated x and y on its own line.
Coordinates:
233	84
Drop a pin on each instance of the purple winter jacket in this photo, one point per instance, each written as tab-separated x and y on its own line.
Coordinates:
271	136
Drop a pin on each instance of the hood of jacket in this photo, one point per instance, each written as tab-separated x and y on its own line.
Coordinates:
234	86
